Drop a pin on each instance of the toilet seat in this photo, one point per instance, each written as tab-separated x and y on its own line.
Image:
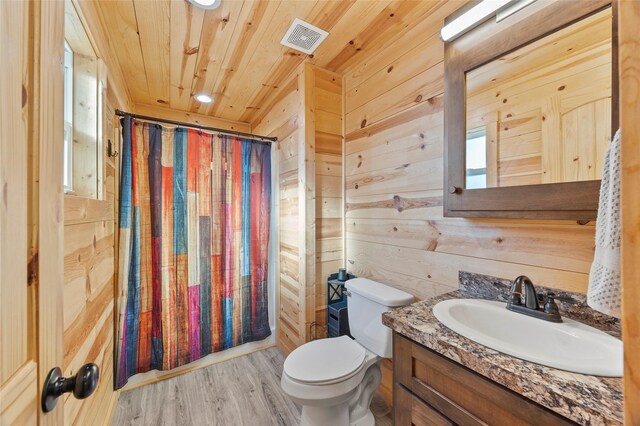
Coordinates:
325	361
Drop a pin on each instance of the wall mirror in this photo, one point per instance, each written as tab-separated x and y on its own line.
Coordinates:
531	106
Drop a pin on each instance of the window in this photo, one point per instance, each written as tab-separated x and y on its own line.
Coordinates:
68	118
83	109
476	158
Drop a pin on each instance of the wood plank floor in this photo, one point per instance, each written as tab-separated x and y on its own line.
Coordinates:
242	391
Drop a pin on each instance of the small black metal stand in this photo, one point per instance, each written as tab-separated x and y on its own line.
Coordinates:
337	315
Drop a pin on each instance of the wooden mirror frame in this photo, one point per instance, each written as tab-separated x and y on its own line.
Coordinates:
486	42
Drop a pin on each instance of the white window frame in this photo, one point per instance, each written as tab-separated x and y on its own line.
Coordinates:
68	119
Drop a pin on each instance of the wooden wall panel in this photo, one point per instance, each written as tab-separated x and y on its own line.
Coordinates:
90	226
395	229
629	60
393	167
89	272
307	199
306	115
282	118
89	253
49	123
327	107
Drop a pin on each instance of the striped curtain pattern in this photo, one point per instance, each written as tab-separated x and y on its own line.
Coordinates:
194	231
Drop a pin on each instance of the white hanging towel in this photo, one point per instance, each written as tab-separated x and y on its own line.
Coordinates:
604	278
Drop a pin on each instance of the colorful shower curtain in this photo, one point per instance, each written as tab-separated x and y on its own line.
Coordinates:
194	232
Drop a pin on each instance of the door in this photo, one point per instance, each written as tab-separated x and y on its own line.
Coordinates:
31	217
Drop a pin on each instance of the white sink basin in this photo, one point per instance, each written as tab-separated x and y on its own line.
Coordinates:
570	345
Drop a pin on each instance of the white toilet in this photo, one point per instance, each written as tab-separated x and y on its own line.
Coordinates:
334	379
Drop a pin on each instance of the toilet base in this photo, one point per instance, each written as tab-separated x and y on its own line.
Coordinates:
354	412
367	420
337	416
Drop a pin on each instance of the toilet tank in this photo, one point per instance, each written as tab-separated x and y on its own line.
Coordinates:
367	301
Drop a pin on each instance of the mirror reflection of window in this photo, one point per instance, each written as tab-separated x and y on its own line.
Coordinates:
476	158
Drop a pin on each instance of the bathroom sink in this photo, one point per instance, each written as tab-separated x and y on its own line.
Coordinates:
569	345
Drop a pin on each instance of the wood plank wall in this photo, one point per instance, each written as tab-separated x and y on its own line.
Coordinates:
306	116
327	108
395	229
48	122
89	292
281	117
629	60
89	246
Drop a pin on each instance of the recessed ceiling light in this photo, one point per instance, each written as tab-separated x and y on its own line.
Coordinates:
204	98
206	4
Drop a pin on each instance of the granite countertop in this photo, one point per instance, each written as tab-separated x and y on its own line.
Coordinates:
588	400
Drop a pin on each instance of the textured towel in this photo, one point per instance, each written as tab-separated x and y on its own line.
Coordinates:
604	279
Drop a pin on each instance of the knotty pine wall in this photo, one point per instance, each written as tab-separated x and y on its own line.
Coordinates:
327	110
306	116
283	116
395	229
89	249
629	54
89	266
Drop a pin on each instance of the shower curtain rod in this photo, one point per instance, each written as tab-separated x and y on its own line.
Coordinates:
196	126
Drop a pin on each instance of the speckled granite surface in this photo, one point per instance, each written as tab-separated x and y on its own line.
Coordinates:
588	400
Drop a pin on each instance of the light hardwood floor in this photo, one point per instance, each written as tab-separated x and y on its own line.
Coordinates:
242	391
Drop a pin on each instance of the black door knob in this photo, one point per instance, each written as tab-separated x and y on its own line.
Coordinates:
83	384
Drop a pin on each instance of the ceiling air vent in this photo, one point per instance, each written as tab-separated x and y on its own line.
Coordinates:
303	36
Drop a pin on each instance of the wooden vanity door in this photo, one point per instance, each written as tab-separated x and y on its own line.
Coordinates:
31	256
431	389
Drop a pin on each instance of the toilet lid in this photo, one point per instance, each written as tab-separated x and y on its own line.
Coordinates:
324	360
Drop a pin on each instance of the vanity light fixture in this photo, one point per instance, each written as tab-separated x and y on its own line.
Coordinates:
204	98
206	4
511	9
472	17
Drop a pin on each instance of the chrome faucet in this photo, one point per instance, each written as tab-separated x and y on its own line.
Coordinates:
523	299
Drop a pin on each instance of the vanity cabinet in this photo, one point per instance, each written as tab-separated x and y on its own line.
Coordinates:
430	389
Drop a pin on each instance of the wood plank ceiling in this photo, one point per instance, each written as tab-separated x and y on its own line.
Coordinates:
170	50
